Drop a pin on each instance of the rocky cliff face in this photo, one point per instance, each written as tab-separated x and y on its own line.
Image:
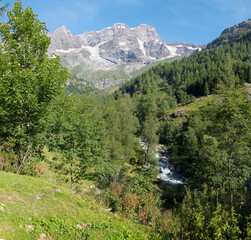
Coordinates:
112	47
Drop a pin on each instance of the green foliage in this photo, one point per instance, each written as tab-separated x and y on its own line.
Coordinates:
29	80
121	144
3	8
97	138
121	126
214	144
206	215
167	132
135	201
150	138
59	214
231	129
75	130
190	142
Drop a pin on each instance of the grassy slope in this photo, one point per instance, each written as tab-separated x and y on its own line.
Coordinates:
31	208
179	114
89	77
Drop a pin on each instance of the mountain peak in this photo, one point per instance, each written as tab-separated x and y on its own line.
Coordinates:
145	26
63	30
109	48
146	32
62	39
120	25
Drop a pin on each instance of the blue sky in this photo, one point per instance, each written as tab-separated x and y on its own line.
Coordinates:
193	21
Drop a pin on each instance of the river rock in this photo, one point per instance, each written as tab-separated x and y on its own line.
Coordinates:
163	159
172	168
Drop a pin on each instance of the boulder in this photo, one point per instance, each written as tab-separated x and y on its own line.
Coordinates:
172	168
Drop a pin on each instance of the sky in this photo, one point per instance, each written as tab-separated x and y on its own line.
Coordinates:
190	21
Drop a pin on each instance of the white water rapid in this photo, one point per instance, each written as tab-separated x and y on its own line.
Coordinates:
167	170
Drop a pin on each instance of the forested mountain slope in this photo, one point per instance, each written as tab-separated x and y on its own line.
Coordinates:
237	33
200	74
216	70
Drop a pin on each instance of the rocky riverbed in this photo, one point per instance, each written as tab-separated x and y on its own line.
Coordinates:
167	172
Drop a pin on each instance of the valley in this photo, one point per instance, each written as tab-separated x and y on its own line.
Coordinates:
121	135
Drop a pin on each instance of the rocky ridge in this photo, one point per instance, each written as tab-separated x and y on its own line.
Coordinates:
237	33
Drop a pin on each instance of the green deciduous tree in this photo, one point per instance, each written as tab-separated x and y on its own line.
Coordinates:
75	131
150	138
167	133
3	8
231	128
219	152
190	142
206	215
29	80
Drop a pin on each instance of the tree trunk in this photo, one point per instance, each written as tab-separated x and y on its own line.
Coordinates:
26	156
71	178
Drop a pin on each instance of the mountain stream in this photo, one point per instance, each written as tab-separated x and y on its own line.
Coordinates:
167	174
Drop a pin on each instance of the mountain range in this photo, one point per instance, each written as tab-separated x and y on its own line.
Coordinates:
110	56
